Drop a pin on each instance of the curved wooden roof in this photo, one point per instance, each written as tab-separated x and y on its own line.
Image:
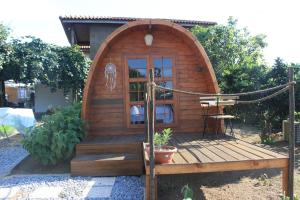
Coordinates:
188	36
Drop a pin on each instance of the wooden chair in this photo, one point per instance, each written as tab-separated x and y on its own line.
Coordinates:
221	101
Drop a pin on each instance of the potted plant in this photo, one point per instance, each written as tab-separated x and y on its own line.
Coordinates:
162	152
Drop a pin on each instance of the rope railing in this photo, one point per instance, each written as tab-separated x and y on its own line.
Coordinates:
264	98
224	95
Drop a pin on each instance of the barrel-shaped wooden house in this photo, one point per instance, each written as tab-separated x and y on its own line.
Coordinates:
114	110
179	61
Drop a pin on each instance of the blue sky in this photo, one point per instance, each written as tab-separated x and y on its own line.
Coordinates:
277	19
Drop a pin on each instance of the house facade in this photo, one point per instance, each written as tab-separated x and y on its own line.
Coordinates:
90	31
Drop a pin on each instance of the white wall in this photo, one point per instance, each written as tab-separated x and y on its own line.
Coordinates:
45	99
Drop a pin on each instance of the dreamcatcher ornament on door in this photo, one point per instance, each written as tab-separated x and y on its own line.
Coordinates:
110	76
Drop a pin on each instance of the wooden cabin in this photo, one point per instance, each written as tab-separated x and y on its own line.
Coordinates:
115	116
179	61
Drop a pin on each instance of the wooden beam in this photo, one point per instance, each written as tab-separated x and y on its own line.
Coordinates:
291	134
220	166
285	180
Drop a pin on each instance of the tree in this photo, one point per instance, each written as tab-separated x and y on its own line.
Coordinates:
72	70
30	60
4	53
235	55
25	62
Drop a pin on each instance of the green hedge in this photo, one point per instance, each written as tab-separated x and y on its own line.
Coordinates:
54	140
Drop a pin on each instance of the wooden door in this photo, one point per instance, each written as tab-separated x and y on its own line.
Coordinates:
137	74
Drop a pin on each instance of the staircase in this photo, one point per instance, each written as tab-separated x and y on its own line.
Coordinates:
109	156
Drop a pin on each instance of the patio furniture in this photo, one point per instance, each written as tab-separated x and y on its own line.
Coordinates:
212	102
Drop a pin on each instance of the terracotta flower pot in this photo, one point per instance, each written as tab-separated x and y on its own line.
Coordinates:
164	154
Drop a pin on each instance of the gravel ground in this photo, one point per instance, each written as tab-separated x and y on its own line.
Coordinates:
128	188
10	156
125	187
25	184
22	186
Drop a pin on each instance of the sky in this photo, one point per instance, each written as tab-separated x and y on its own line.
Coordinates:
279	20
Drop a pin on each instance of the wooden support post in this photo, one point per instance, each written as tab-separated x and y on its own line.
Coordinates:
151	135
146	112
291	135
147	187
285	180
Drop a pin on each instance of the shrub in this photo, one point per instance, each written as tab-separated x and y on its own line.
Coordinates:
162	138
54	139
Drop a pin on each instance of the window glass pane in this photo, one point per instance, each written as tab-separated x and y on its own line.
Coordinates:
157	72
167	72
137	73
164	94
137	114
137	86
141	96
137	68
134	96
164	113
137	63
158	62
167	62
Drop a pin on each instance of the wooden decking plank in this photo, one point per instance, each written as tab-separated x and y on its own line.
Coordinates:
214	146
251	150
187	155
198	151
234	154
178	159
202	153
266	151
241	151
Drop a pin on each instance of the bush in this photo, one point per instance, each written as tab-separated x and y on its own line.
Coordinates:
54	139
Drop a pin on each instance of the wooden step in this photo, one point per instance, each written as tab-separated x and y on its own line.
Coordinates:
107	164
110	144
82	149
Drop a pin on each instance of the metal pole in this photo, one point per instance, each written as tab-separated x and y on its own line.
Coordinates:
292	134
151	137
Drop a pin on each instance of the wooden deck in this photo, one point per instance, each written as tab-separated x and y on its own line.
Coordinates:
198	155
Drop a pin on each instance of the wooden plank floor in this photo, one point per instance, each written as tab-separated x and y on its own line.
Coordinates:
198	155
197	151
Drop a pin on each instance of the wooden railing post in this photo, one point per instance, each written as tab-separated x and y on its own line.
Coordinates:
151	135
146	111
291	134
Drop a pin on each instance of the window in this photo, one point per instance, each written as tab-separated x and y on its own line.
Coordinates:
138	75
163	76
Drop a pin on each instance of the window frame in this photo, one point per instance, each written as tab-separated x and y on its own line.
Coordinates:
149	63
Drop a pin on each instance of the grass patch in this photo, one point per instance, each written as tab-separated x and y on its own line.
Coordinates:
9	130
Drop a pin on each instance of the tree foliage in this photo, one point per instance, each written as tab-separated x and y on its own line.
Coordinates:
235	55
237	58
30	60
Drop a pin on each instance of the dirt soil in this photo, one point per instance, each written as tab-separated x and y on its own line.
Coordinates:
256	184
30	166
